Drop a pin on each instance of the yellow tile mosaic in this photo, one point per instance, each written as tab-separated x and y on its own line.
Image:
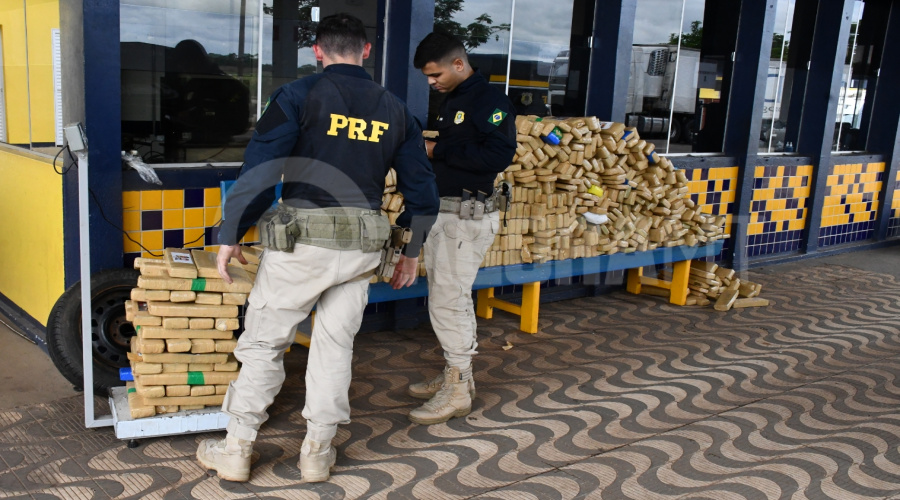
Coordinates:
173	199
778	208
850	205
151	200
172	218
193	217
894	222
131	200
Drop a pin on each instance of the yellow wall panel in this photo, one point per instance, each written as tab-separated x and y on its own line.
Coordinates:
28	74
43	16
15	75
31	243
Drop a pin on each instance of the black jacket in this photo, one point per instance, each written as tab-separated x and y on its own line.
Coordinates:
477	140
333	136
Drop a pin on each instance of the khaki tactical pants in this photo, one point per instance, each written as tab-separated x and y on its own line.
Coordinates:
453	251
287	287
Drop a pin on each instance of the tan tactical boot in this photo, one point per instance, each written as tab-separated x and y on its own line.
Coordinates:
316	461
229	457
451	400
427	389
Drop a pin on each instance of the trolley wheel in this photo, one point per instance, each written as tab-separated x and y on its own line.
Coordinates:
111	333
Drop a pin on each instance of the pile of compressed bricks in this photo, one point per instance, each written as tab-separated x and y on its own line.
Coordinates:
184	316
710	283
564	169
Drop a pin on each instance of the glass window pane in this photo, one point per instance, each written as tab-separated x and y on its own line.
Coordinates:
484	29
190	69
188	78
853	88
289	29
680	73
540	58
778	84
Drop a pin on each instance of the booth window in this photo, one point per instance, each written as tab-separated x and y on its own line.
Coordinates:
538	57
680	73
193	82
778	84
859	75
484	30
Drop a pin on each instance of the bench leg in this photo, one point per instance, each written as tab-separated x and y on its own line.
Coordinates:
679	290
484	307
527	312
531	303
633	283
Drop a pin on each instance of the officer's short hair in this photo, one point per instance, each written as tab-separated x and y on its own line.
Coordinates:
341	35
438	47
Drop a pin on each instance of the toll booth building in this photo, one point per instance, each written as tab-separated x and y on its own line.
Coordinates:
779	113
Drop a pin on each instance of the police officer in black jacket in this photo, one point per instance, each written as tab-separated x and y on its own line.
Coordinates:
476	141
331	138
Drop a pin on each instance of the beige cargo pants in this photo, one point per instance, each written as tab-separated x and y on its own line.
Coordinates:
453	251
287	287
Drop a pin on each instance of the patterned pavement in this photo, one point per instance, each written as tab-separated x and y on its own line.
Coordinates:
617	397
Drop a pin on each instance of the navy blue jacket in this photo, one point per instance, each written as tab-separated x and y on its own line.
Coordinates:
331	138
477	140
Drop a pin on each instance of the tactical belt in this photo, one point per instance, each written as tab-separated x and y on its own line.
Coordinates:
471	207
340	228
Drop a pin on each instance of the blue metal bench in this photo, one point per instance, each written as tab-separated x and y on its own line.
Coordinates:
530	276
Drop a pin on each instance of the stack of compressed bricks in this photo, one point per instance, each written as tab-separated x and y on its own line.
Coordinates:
710	283
184	316
565	168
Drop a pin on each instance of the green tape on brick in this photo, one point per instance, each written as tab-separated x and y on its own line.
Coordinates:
195	378
198	285
131	389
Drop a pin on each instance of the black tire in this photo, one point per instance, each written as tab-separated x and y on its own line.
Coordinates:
675	131
111	332
687	131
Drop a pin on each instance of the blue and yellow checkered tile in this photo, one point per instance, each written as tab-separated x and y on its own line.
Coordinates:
155	220
851	203
894	221
713	191
778	208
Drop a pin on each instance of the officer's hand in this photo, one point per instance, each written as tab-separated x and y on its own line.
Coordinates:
405	272
226	252
429	148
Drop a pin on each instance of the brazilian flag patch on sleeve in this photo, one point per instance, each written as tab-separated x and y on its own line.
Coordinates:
497	117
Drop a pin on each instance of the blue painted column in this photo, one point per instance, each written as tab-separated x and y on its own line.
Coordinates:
820	102
92	96
884	129
408	21
613	36
746	100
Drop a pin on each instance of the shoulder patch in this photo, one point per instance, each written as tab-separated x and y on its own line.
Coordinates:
497	117
271	119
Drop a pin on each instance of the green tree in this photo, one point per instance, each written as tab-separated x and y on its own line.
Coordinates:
693	39
779	46
473	34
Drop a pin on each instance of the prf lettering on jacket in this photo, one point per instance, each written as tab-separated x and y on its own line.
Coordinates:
356	128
